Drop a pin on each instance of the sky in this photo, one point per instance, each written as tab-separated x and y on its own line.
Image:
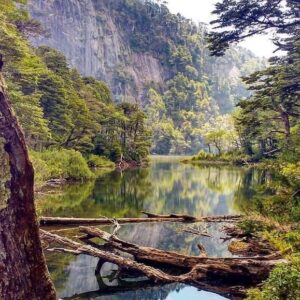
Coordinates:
200	10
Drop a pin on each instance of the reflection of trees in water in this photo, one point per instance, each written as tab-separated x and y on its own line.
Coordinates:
58	265
193	189
123	194
261	192
255	182
112	194
67	200
163	188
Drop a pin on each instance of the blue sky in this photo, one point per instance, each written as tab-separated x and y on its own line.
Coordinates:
200	10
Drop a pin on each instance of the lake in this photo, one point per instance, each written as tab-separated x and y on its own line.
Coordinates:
166	186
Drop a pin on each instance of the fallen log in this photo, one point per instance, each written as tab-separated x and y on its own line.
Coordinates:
188	218
221	275
257	266
58	221
171	216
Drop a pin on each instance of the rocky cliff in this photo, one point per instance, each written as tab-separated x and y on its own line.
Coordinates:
149	56
87	33
100	39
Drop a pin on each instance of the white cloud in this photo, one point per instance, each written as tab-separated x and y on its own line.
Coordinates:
200	11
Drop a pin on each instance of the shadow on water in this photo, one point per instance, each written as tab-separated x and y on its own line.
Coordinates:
167	186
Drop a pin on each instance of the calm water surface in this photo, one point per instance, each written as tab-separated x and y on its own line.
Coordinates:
167	186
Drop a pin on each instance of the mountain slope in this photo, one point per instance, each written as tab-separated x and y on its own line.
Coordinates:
140	49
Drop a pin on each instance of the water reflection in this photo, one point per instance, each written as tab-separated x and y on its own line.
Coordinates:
167	186
163	188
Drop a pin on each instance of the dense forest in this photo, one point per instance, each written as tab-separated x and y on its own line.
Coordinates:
198	88
151	57
266	124
267	130
64	115
67	116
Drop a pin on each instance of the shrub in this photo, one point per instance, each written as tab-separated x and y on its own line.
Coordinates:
65	164
95	161
202	155
41	170
283	284
255	224
292	172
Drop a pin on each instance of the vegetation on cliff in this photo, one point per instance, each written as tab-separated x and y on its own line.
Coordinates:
147	54
60	111
198	89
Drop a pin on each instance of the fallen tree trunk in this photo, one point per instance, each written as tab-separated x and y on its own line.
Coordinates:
52	221
225	276
256	266
195	277
220	218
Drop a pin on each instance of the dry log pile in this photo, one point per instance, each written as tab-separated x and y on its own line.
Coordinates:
227	276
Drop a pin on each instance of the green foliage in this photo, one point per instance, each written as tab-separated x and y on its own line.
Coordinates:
268	121
198	88
292	172
95	161
60	164
59	109
254	224
249	17
283	284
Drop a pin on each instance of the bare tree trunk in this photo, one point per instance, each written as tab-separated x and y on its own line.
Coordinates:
23	271
287	127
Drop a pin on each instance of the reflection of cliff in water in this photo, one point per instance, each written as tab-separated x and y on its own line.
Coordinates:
170	236
81	283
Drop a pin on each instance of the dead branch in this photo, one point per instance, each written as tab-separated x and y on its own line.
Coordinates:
116	224
195	231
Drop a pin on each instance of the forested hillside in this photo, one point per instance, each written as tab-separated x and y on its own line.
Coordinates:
151	57
60	109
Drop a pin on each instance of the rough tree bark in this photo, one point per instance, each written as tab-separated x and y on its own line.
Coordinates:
23	271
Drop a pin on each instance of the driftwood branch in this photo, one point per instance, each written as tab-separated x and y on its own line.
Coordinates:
167	257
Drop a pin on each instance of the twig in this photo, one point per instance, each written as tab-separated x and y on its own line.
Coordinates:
116	224
196	231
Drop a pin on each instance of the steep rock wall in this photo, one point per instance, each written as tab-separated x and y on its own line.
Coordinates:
93	43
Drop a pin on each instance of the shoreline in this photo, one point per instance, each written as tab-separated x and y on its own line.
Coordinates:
59	182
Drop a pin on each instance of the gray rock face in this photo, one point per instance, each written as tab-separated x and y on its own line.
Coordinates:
94	44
